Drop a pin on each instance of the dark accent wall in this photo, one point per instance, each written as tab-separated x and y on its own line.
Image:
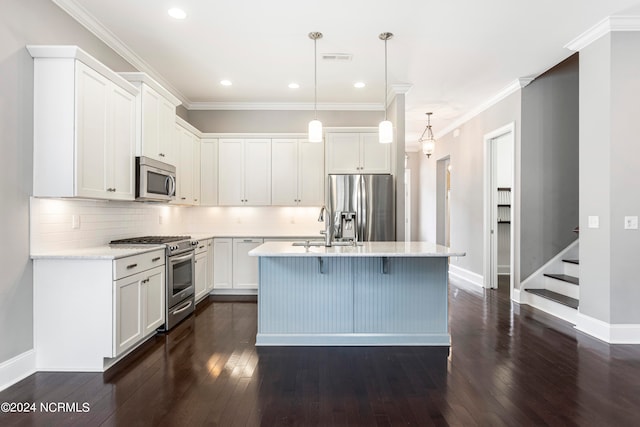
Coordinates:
549	165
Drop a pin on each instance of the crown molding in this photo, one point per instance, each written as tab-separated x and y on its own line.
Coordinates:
604	27
84	18
514	86
399	88
282	106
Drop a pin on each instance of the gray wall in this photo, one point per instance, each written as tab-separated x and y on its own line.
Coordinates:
21	23
268	121
549	170
609	165
467	172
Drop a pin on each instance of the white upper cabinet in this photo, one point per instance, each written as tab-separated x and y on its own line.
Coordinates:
244	172
84	126
208	172
187	167
297	173
157	111
354	152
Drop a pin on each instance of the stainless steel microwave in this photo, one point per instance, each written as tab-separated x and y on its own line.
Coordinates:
155	181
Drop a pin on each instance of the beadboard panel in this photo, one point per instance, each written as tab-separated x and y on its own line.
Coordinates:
300	299
411	297
352	301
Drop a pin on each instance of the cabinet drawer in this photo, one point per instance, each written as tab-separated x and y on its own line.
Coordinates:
124	267
202	246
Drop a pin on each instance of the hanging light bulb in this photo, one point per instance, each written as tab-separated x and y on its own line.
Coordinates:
315	125
385	128
427	140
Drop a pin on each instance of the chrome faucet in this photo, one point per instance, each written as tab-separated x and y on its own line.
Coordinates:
324	216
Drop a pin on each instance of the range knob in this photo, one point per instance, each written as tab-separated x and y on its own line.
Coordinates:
173	247
194	243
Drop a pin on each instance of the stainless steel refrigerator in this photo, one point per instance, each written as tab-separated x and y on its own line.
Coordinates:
362	207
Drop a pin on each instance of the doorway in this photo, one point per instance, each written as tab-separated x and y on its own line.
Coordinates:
443	197
498	200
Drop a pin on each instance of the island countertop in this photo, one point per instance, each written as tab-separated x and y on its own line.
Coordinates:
364	249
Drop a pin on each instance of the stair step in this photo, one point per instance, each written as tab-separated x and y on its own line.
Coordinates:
564	278
554	296
572	261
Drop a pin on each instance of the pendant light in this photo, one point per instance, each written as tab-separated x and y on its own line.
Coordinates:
427	140
385	128
315	125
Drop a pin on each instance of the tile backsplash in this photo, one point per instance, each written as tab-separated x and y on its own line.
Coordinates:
58	224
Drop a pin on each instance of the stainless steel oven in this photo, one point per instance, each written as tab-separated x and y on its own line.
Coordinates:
180	274
155	181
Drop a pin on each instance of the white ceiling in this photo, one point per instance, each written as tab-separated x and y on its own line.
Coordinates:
455	54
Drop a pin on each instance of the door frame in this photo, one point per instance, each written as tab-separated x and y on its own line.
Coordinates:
490	275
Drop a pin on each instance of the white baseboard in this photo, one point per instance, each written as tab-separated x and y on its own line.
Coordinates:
607	332
17	368
466	275
560	311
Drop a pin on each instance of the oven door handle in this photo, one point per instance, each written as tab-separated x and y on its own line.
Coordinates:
181	309
180	259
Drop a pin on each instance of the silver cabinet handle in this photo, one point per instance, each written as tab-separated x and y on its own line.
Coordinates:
155	259
200	247
145	280
130	266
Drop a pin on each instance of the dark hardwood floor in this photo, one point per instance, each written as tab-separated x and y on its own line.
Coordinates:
508	365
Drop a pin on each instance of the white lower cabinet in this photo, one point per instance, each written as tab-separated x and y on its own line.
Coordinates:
234	271
202	270
88	312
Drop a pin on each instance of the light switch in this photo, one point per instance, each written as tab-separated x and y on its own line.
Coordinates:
630	222
75	221
594	222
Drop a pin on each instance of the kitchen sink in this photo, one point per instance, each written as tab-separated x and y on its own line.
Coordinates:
321	243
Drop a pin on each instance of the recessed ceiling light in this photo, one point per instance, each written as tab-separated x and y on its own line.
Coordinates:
225	82
294	86
176	13
359	85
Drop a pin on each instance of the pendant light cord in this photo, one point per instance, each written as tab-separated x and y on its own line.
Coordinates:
315	79
385	79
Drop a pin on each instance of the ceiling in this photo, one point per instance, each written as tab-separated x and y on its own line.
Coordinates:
454	54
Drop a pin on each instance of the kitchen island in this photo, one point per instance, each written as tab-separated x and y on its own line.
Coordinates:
375	293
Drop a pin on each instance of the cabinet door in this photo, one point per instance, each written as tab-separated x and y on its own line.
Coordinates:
153	298
201	275
123	128
311	181
245	267
92	111
209	172
257	172
374	157
128	312
343	152
166	123
184	172
195	142
230	172
151	124
284	169
222	263
210	262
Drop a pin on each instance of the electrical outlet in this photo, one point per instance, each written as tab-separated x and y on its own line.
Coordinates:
630	222
160	219
594	222
75	222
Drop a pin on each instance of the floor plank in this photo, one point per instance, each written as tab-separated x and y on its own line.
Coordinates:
507	365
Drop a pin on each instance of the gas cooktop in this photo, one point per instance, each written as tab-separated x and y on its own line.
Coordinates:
150	240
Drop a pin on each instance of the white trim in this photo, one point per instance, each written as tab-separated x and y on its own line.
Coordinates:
188	126
609	333
84	18
17	369
602	28
215	135
466	275
353	339
138	78
283	106
512	87
554	265
563	312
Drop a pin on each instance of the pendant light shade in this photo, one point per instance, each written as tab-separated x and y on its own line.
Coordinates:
385	131
315	131
427	140
315	125
385	128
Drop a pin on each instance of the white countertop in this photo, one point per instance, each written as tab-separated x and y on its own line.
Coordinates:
366	249
99	252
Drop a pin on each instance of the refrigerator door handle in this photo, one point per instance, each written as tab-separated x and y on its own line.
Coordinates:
362	201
